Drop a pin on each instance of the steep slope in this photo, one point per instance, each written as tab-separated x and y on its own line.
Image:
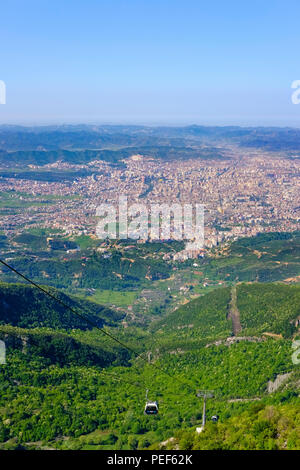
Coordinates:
49	347
25	306
259	308
273	308
53	381
262	427
207	315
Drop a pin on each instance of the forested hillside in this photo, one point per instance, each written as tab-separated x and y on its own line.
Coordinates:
83	391
271	308
25	306
261	427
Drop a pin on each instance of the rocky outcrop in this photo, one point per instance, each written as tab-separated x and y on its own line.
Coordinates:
280	379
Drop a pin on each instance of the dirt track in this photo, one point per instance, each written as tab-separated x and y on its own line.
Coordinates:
234	314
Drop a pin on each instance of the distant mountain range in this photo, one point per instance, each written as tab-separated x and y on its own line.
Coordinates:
83	143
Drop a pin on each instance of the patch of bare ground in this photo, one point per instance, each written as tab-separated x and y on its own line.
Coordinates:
280	379
234	313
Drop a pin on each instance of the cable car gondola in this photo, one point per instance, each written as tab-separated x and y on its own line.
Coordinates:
151	407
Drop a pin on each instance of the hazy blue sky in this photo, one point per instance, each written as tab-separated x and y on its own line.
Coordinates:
154	61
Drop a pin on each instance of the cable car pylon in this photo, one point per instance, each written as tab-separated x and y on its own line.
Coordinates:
205	394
